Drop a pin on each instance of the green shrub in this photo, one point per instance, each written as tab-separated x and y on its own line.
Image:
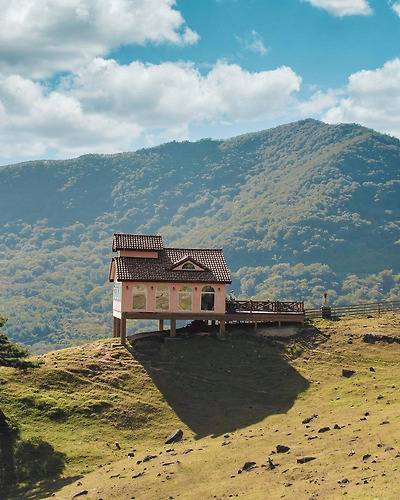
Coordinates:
36	459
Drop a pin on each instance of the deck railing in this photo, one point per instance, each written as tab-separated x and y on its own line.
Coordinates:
236	306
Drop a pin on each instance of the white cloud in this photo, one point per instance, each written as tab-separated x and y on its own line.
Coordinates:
254	43
396	7
40	38
343	7
371	98
107	106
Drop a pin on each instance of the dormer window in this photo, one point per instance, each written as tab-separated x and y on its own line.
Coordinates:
189	266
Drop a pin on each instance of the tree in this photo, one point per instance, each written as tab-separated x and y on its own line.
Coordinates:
8	438
12	354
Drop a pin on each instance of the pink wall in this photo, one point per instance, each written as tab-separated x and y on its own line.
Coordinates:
127	291
138	253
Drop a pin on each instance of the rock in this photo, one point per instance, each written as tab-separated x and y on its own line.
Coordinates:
80	494
371	369
138	474
379	396
131	454
247	467
324	429
147	458
343	481
270	464
281	448
309	419
385	422
117	445
337	427
189	450
174	437
347	373
366	457
304	460
352	452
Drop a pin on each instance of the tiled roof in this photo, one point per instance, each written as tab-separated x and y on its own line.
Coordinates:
144	269
136	242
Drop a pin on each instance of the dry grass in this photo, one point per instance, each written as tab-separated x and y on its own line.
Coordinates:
256	391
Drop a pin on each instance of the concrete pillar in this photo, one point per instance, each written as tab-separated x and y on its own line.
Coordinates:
173	328
161	325
123	330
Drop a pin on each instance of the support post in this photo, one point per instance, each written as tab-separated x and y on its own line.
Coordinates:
173	327
222	328
114	330
161	325
118	330
255	325
123	329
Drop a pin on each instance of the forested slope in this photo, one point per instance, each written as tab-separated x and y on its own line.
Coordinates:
299	209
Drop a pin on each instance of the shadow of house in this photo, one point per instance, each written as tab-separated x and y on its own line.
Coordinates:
217	387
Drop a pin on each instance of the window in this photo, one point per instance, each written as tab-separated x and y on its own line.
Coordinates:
185	298
189	266
139	298
117	291
207	298
162	298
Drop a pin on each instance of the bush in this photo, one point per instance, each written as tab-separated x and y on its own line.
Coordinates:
36	459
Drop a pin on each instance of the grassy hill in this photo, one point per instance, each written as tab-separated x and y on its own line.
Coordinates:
234	400
299	209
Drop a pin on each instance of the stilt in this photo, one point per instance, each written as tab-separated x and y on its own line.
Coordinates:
255	325
114	329
123	330
118	329
221	329
173	328
161	325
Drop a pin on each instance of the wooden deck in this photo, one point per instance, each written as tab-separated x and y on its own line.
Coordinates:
236	311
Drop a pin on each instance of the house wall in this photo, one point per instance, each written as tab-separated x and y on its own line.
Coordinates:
138	253
125	305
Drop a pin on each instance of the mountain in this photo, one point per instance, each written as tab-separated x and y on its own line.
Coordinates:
299	209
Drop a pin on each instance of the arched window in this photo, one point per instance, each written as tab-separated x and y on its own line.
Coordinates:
162	298
207	298
189	266
185	298
139	298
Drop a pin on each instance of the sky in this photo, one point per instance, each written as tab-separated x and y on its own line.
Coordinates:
105	76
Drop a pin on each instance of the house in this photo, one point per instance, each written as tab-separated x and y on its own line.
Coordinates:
155	282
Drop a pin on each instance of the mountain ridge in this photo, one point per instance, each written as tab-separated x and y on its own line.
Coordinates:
299	209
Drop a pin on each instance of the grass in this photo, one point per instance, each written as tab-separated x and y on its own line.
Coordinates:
234	400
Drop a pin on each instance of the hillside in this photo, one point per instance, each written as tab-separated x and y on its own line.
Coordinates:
235	402
299	209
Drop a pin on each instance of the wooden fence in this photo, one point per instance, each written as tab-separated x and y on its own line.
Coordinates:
356	309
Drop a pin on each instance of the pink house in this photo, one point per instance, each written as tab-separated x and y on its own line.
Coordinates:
154	282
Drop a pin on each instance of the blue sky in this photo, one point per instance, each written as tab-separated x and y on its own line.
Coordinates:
323	48
112	75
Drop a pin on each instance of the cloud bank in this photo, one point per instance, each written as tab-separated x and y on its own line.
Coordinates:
343	7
